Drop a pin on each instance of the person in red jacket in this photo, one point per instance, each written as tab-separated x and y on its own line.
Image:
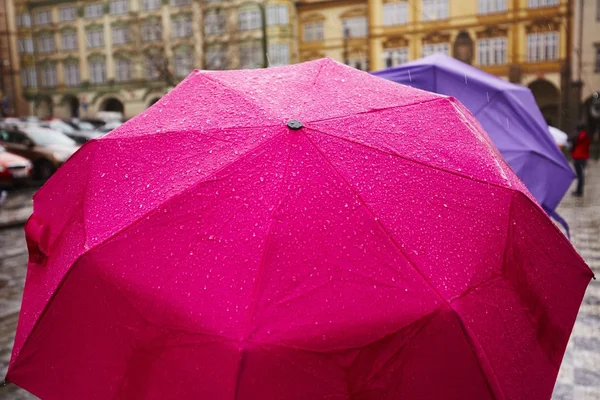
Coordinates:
580	154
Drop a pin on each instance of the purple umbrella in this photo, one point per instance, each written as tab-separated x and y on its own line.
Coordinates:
509	115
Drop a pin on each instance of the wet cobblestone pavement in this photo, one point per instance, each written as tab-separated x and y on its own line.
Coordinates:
579	377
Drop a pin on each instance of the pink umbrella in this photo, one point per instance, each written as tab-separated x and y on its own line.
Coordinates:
306	232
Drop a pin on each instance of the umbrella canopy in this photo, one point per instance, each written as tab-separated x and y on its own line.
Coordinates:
559	137
507	112
300	239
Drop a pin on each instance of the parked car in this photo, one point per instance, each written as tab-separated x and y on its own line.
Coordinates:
109	126
14	170
45	148
79	136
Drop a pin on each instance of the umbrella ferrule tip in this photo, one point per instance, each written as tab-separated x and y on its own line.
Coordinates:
294	124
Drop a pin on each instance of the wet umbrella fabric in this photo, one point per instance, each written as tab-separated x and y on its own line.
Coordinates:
508	113
278	234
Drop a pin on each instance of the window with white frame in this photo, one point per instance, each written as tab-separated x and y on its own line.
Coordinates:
117	7
49	76
25	45
251	55
152	64
279	54
542	3
151	31
435	9
95	38
395	13
492	51
43	17
23	20
183	63
29	77
395	56
277	14
313	31
68	40
97	71
182	26
46	43
179	3
355	27
542	46
216	57
68	13
72	74
214	23
120	34
94	10
492	6
122	70
149	5
249	19
432	48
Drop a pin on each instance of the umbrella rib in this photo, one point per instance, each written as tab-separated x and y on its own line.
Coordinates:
411	263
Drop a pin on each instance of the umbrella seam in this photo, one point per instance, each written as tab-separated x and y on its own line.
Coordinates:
128	227
395	243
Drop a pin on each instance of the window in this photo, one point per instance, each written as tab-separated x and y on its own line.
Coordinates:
182	26
29	77
94	10
313	31
72	74
183	64
122	70
46	43
118	7
251	55
23	20
43	17
120	34
359	63
151	31
432	48
435	9
49	76
178	3
395	13
95	38
97	71
69	40
279	54
492	6
214	23
395	56
152	64
249	19
491	51
542	3
355	27
597	69
149	5
277	15
216	58
68	13
542	46
25	45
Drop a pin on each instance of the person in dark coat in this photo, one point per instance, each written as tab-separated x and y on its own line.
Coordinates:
580	154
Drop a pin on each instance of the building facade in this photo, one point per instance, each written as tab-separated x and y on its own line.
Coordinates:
11	95
524	41
78	58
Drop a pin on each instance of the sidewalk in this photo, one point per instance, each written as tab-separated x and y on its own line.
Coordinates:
18	208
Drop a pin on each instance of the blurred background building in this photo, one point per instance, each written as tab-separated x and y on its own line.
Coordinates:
77	58
11	98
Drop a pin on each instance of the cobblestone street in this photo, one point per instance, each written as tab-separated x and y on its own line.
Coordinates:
579	378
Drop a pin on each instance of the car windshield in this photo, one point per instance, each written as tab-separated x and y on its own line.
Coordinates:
62	126
47	137
85	126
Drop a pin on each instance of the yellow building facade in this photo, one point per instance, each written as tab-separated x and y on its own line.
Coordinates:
78	58
524	41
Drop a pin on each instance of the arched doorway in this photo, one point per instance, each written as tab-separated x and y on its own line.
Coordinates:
43	107
463	48
154	100
547	97
71	104
113	105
